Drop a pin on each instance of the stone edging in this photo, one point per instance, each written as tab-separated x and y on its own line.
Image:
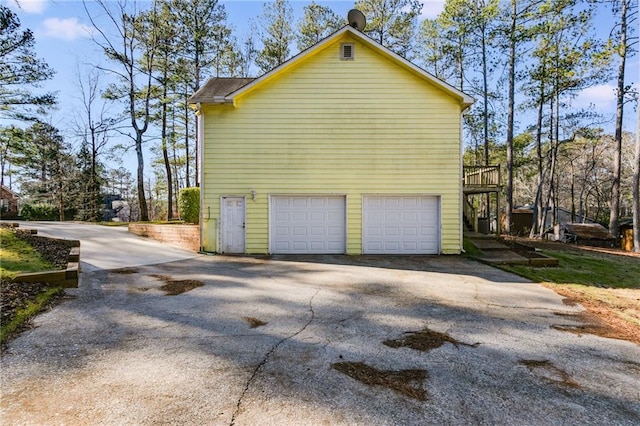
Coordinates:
67	278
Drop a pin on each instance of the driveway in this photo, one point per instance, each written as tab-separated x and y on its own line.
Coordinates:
110	247
315	340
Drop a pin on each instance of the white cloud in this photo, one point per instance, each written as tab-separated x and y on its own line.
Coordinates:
28	6
431	8
602	97
65	29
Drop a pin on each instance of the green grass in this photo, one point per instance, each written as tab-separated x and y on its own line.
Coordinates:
26	312
18	256
113	223
586	269
469	248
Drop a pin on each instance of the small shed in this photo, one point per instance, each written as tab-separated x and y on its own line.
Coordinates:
521	221
626	234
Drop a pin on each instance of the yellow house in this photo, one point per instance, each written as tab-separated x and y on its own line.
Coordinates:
346	148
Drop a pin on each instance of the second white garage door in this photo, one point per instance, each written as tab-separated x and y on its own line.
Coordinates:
400	225
304	225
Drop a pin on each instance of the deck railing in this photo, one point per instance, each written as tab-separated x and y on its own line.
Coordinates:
481	176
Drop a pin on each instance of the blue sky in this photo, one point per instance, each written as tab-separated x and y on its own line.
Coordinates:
62	34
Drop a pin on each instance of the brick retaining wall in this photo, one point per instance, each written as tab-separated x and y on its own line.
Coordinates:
184	236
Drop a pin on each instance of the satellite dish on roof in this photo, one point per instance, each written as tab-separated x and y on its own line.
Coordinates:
356	19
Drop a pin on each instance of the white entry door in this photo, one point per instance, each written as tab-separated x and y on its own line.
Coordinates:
233	225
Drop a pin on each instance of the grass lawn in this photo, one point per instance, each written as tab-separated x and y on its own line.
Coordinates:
20	304
18	256
607	285
587	269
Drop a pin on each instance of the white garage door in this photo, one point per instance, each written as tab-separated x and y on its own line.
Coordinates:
400	225
307	224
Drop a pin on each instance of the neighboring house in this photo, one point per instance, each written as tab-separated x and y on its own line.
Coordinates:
8	203
345	148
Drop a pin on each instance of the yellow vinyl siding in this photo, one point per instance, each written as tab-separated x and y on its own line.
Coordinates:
326	126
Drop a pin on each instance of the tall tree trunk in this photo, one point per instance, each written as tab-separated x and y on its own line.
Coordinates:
572	190
93	181
485	118
537	213
186	143
617	155
196	178
165	152
636	190
510	119
552	164
142	199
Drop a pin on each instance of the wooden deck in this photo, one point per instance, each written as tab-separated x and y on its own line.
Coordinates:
481	179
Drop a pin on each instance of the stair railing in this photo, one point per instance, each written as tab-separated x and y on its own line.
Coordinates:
470	214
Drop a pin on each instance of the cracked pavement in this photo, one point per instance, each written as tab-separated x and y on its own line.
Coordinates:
123	352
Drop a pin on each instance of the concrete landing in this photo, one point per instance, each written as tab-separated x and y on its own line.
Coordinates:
493	251
503	257
489	244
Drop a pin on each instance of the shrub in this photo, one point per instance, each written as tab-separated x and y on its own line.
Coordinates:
189	205
40	212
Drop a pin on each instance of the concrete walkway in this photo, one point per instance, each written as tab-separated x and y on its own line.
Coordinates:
315	340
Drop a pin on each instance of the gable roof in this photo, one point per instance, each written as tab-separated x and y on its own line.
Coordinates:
216	89
7	191
213	91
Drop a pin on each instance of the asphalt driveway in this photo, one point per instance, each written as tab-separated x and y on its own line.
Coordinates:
315	340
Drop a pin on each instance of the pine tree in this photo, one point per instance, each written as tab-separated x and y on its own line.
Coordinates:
277	34
20	70
392	23
317	23
203	36
627	11
46	166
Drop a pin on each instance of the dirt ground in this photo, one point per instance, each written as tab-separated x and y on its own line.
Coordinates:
610	312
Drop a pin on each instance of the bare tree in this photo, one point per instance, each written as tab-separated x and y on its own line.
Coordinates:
132	50
93	128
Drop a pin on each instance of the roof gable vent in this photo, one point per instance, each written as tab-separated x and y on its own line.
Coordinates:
347	51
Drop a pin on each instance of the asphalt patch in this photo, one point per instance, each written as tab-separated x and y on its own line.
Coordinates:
175	287
591	325
569	301
548	372
424	340
124	271
406	382
254	322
